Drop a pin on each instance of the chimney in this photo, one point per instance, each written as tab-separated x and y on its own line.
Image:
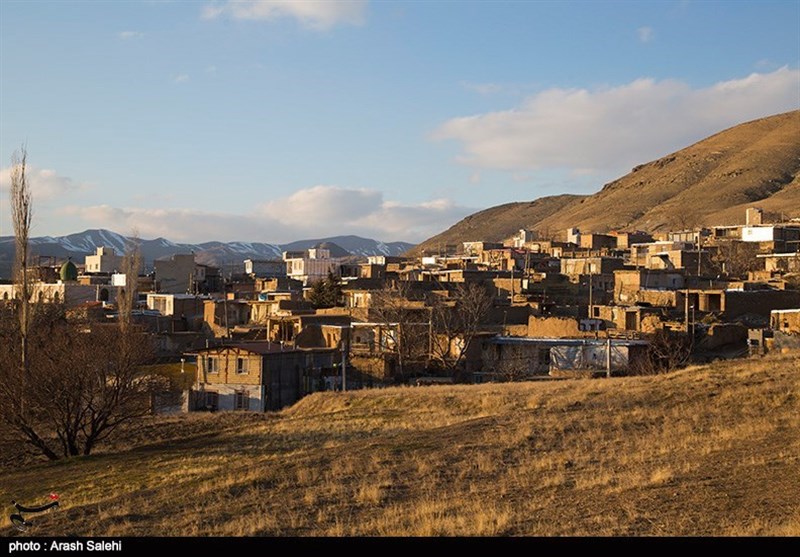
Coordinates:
753	216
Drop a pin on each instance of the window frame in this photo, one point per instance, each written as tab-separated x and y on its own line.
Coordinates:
212	365
241	400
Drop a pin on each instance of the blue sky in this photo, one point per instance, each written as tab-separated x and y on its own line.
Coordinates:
275	121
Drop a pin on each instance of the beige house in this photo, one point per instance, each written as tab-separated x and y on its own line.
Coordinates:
104	261
259	376
786	321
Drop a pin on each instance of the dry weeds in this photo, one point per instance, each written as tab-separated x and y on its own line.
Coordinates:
705	451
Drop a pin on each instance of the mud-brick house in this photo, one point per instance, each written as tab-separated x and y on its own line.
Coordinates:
785	320
259	376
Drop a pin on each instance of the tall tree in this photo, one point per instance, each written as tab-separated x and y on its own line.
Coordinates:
21	218
456	321
128	294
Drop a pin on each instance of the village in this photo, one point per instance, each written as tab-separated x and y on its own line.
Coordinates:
581	304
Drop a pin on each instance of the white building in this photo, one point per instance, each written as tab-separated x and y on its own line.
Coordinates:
758	234
311	265
105	261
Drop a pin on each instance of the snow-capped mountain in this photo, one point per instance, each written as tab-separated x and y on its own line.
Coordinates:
229	254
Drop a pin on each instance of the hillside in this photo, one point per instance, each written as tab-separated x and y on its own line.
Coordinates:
497	223
710	182
710	450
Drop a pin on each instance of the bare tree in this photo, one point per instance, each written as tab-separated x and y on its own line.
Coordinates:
736	259
127	295
666	352
15	365
21	218
406	321
84	381
65	386
456	322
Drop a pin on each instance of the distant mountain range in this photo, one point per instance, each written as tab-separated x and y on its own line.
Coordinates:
228	254
755	164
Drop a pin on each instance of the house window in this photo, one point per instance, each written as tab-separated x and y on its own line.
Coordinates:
241	365
212	400
241	401
212	365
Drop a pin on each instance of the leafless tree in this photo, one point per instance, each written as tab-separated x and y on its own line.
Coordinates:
736	259
66	385
456	321
21	218
406	321
84	380
127	295
666	352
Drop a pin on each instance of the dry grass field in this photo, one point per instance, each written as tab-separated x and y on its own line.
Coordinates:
711	450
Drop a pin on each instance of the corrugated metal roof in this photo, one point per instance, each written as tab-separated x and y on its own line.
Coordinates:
568	341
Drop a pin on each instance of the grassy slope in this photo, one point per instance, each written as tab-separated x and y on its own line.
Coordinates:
497	223
709	450
755	164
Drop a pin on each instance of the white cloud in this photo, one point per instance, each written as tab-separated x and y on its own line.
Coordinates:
181	78
128	35
645	34
313	14
46	184
313	212
611	129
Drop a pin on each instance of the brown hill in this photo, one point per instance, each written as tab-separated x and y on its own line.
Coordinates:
755	164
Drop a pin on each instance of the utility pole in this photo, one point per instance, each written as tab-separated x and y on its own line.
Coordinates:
608	354
590	291
344	360
430	335
686	305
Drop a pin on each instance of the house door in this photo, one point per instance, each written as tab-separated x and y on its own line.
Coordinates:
630	321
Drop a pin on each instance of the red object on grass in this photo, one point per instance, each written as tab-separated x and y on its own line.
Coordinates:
54	496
